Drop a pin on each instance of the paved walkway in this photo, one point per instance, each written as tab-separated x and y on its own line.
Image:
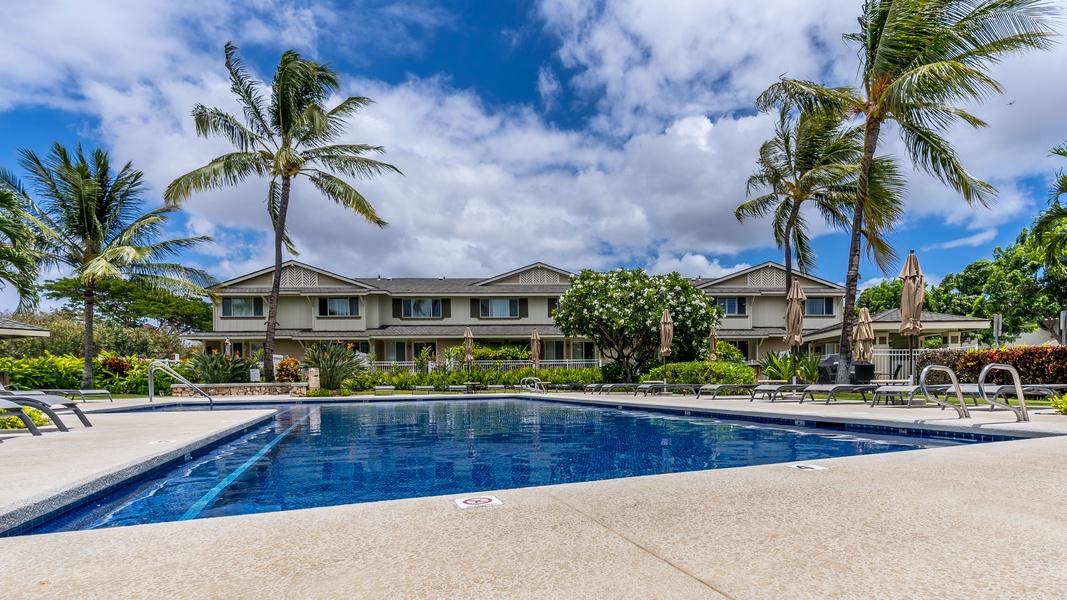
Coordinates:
981	521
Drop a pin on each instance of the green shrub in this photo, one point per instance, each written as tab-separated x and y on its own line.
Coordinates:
218	368
727	352
36	416
1059	403
335	363
45	371
321	392
700	372
1036	364
406	380
490	351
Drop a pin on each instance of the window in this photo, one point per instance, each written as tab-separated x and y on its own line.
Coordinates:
242	307
553	350
553	304
395	351
338	307
418	347
741	345
499	308
732	306
421	308
819	307
583	351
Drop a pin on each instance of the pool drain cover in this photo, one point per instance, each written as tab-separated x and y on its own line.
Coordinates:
477	501
807	467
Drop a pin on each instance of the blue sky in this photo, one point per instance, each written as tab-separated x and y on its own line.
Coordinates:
581	133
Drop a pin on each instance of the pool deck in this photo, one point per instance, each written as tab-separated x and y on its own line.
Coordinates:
976	521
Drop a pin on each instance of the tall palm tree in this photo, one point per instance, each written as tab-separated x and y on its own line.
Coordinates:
289	136
1050	227
89	218
918	58
814	158
18	264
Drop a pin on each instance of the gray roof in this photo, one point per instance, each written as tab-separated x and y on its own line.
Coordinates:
389	332
756	332
9	328
893	316
431	286
770	291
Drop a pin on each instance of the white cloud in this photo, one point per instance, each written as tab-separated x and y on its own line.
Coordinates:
982	237
694	265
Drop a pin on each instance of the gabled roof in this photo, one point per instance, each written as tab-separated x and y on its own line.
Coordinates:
13	329
704	284
531	267
292	263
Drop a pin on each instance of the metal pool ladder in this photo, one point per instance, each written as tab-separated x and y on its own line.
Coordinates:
1020	411
961	408
162	365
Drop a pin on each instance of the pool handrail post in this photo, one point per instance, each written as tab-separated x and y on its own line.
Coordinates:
162	365
1020	411
961	408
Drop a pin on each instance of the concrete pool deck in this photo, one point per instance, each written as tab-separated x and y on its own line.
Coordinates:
976	521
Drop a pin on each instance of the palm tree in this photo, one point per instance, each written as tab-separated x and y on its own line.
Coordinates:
814	158
1050	227
89	218
918	58
292	135
18	264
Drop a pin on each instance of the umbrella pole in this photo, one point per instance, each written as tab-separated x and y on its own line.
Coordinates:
793	363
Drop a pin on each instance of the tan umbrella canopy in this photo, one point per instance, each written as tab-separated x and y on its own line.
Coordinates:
666	334
911	304
468	345
794	315
713	345
535	347
864	337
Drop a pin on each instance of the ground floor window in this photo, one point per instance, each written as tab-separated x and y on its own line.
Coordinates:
418	347
583	351
395	351
553	350
741	345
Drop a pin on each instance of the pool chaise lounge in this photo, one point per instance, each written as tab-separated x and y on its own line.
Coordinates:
49	404
83	394
715	388
15	410
776	391
831	390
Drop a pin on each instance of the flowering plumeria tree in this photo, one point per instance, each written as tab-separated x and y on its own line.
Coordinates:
620	312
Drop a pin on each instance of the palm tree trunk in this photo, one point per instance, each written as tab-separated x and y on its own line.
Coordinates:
870	143
790	224
87	367
276	283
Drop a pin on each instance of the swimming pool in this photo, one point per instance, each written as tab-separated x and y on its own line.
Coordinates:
323	455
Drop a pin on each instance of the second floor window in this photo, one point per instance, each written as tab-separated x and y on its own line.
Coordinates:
732	306
819	307
421	308
499	308
338	307
242	307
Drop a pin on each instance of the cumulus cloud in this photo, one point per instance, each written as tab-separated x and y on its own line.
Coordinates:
694	265
982	237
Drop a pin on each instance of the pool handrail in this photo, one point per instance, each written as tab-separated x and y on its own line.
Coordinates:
961	408
163	366
1020	411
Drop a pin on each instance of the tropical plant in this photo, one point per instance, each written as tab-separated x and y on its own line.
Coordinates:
1050	227
67	336
290	135
777	366
701	372
814	158
18	264
335	363
218	368
620	312
917	59
288	370
89	218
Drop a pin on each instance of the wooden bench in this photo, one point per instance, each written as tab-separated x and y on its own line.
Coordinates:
384	388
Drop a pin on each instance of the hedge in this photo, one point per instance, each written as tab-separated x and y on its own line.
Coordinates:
704	372
1036	364
405	380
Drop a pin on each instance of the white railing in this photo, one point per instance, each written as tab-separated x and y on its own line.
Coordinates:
894	364
497	365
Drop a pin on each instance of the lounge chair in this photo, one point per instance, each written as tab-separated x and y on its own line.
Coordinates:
715	388
608	388
49	404
83	394
832	389
899	392
11	409
775	390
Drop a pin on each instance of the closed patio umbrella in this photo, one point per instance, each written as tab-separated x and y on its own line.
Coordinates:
794	320
468	346
911	305
535	348
713	345
864	337
666	335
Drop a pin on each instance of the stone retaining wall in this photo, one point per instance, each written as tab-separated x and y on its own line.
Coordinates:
242	389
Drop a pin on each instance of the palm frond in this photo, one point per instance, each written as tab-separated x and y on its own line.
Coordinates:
344	194
226	170
216	122
243	86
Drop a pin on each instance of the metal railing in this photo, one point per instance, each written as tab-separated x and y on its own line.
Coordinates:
496	365
961	408
162	365
1020	411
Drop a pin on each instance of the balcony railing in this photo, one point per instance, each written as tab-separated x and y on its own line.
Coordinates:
498	365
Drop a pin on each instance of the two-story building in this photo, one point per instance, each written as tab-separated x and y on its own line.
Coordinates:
393	318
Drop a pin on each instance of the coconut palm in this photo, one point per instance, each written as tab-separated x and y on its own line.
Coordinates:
290	135
18	264
814	158
1050	227
89	218
917	59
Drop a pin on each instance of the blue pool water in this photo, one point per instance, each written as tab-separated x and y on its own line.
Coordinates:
347	453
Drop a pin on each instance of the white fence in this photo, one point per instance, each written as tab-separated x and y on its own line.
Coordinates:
497	365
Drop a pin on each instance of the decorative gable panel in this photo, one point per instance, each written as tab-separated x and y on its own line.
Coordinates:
539	275
767	277
297	277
